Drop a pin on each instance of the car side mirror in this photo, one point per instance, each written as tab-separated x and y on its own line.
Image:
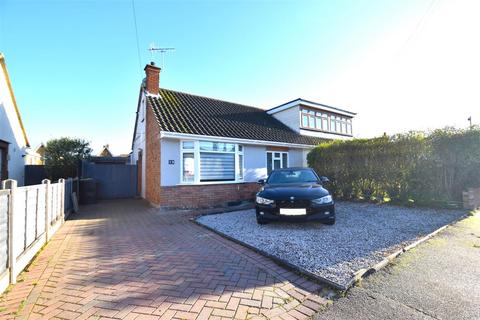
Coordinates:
324	179
261	181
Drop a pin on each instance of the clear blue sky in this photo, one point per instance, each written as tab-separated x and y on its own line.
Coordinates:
75	69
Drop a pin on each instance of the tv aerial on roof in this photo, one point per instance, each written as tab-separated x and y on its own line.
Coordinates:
153	49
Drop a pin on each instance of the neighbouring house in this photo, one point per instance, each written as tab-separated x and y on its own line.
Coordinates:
105	152
106	157
13	138
194	151
35	156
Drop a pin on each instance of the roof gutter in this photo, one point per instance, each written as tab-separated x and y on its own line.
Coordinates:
187	136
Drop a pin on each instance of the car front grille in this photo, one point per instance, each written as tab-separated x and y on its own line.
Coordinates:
293	203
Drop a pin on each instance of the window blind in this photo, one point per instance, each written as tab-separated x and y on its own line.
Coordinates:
215	166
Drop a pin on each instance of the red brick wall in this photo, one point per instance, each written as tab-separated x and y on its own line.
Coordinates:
152	158
152	79
206	196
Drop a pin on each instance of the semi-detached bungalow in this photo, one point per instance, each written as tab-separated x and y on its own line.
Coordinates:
194	151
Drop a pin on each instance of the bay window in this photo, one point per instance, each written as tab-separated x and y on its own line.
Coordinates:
211	161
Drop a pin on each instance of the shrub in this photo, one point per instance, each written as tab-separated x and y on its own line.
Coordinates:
62	157
422	168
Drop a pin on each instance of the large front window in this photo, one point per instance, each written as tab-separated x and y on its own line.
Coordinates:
210	161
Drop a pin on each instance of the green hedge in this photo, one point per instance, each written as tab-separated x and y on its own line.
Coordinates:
413	168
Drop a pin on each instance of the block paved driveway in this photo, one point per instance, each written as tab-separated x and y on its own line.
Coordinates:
126	260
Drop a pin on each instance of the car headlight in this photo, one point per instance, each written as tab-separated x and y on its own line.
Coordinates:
323	200
261	200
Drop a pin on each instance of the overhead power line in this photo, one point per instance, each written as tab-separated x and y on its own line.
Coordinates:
136	36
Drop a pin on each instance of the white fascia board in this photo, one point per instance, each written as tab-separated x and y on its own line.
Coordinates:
176	135
312	105
325	135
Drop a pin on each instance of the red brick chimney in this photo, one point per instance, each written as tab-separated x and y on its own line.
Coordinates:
152	80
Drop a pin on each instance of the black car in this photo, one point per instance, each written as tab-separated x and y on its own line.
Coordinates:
294	194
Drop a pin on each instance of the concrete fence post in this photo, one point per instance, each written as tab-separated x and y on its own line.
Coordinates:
471	199
12	260
62	197
46	182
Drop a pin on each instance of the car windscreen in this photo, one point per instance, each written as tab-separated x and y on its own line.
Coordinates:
292	176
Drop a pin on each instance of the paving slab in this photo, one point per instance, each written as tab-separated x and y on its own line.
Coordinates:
126	260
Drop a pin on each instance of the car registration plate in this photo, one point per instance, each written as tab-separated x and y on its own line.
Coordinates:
293	212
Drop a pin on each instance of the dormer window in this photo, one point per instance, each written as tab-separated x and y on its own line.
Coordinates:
315	119
326	122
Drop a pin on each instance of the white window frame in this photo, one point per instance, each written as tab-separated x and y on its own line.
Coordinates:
329	122
196	158
349	127
273	159
239	152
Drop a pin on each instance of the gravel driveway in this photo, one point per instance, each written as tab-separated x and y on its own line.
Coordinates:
364	234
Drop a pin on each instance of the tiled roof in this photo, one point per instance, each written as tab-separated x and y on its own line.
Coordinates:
186	113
